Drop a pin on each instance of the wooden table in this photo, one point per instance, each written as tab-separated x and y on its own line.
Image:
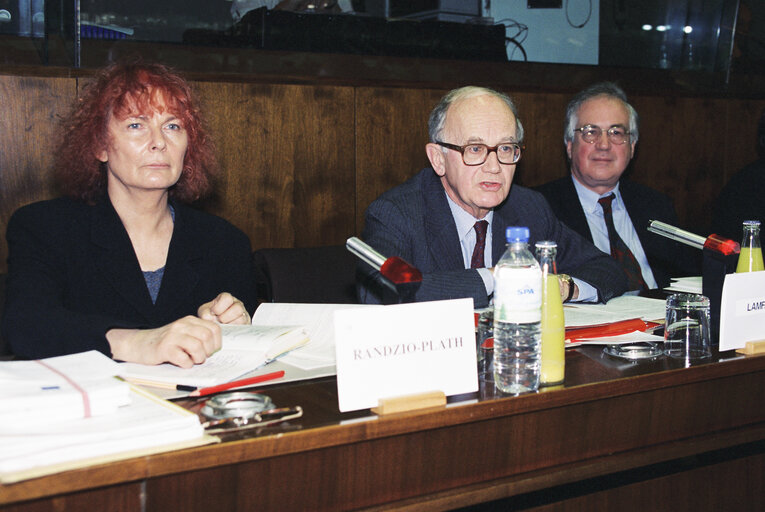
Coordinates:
617	436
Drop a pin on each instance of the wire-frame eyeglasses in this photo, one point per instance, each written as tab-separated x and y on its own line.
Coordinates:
617	134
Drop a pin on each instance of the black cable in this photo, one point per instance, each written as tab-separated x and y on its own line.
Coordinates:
589	15
521	32
518	46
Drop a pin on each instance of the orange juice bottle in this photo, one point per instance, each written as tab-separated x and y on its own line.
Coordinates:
553	324
750	259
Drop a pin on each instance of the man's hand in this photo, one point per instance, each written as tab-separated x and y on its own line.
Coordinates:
568	288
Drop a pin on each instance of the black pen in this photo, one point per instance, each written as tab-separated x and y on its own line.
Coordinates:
161	385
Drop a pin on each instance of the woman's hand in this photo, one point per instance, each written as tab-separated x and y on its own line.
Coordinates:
185	342
224	309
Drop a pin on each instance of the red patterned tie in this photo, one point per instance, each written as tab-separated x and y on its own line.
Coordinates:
619	250
480	243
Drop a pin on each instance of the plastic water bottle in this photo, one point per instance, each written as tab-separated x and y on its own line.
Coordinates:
517	316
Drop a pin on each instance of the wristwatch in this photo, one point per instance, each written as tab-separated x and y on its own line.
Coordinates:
567	278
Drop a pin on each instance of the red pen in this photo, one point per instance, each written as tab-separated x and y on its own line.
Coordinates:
237	383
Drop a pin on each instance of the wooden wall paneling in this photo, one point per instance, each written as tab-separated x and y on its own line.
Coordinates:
325	189
542	116
391	133
30	109
737	135
677	153
286	154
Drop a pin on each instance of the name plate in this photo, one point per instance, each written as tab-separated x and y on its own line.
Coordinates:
404	349
742	310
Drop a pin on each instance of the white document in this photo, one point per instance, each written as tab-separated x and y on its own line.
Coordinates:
245	348
57	389
624	307
318	321
742	310
685	285
404	349
147	425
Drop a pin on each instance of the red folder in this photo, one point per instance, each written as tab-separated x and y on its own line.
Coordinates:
609	329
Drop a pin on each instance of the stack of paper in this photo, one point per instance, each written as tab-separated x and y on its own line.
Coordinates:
60	388
84	417
617	310
685	285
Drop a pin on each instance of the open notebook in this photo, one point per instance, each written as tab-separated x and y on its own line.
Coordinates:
245	348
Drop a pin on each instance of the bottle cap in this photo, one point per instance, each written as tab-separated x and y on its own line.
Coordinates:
752	223
546	244
517	234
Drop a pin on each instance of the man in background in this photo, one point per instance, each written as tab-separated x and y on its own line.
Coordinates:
743	198
601	132
449	220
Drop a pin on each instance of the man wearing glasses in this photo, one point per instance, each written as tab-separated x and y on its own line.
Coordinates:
449	219
601	131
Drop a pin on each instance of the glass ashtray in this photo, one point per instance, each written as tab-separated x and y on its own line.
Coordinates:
638	351
237	404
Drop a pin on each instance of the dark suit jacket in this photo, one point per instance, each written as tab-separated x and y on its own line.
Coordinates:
413	221
666	257
73	275
742	198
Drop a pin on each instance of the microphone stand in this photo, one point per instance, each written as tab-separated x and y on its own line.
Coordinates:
720	256
401	277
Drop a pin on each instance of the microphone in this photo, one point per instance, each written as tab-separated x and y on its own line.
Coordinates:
713	242
398	275
718	259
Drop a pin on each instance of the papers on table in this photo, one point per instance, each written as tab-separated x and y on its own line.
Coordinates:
685	285
60	388
67	412
148	425
245	348
318	321
617	309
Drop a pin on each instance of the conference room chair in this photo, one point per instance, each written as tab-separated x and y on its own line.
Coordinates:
325	274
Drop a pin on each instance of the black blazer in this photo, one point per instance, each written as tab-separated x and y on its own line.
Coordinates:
742	198
413	221
666	257
73	275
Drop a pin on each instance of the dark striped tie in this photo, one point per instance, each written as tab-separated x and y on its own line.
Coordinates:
619	250
477	261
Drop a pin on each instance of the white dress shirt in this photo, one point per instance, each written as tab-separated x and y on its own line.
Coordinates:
622	222
466	234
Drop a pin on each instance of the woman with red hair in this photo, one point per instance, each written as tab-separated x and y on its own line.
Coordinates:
122	265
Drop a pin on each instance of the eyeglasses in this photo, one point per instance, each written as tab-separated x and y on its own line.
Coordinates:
616	134
476	154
